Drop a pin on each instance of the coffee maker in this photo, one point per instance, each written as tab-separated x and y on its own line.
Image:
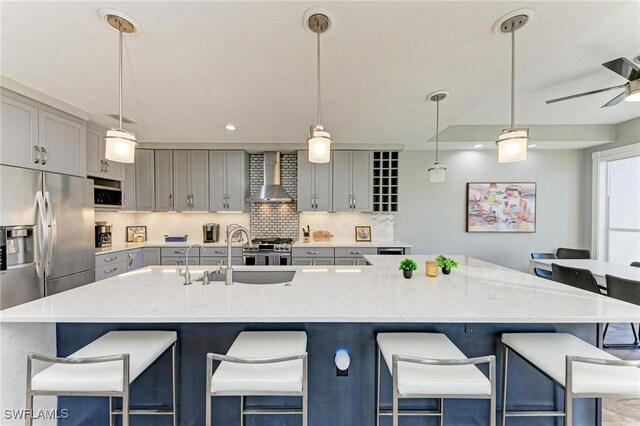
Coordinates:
210	232
103	236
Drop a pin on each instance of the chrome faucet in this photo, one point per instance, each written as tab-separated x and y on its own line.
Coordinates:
187	274
232	230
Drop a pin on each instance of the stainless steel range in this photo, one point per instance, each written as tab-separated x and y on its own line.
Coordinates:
268	251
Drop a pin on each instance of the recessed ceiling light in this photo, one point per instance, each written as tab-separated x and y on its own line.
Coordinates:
533	145
230	127
478	145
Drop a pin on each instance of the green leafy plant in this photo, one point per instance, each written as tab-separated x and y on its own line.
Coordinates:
408	265
446	262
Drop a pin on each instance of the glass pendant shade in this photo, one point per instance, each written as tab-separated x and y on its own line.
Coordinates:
437	173
632	91
120	146
319	142
512	145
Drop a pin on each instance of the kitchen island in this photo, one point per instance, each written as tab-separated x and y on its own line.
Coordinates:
336	306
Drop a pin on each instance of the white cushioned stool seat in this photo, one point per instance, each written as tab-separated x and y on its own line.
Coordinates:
431	379
273	377
143	347
548	352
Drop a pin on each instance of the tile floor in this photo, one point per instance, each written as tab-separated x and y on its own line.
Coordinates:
621	412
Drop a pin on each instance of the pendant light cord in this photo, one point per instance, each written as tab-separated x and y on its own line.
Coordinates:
513	74
318	71
437	124
120	78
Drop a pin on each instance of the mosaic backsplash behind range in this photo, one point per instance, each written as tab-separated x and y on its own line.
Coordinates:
276	219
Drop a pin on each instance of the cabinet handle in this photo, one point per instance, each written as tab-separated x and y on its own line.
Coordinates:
356	252
110	259
124	200
220	252
313	252
106	166
315	202
178	252
101	166
171	201
45	157
36	150
108	271
354	201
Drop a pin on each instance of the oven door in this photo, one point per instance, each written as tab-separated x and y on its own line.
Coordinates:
266	259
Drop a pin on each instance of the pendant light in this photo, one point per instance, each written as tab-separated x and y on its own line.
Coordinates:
512	142
437	171
120	144
319	140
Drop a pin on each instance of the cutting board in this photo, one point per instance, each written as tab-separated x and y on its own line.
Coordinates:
322	236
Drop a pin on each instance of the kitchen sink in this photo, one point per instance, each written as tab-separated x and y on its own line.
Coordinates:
255	277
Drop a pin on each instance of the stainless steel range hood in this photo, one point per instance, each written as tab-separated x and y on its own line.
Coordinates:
271	191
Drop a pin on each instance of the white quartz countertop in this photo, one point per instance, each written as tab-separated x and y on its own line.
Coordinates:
352	243
475	292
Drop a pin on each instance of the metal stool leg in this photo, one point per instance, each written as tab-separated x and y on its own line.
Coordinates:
207	420
241	410
395	390
305	391
125	390
505	365
110	411
174	379
377	386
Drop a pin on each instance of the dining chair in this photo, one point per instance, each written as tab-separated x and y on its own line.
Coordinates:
575	277
543	273
627	291
569	253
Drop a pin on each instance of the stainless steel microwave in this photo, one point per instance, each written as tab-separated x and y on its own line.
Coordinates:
107	194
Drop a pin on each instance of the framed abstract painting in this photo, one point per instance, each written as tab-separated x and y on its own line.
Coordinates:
501	207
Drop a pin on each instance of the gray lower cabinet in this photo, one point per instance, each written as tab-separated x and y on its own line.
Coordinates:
302	256
145	180
112	270
353	181
164	180
191	180
134	259
314	185
180	260
108	259
228	180
312	261
151	256
235	260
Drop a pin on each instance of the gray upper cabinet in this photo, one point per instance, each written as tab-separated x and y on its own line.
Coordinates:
19	134
228	180
145	180
63	144
164	180
191	180
36	138
352	181
129	186
314	185
97	165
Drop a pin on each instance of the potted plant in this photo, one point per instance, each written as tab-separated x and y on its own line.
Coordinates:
446	264
407	266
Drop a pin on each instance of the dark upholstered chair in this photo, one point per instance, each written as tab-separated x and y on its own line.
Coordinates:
575	277
543	273
627	291
569	253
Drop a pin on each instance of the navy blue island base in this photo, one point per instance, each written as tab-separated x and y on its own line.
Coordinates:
333	400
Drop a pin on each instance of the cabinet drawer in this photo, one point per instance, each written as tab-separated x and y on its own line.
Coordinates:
111	258
111	270
177	251
235	260
220	251
355	251
179	260
312	252
351	261
312	261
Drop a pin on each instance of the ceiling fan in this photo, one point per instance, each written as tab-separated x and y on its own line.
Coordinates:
625	68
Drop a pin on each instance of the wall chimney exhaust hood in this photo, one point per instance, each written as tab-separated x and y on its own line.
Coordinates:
271	191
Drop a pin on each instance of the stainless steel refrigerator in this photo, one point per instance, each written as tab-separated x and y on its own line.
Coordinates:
47	220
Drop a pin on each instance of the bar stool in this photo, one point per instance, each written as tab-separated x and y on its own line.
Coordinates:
581	369
429	365
105	367
261	363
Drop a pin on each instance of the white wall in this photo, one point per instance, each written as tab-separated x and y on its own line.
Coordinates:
432	216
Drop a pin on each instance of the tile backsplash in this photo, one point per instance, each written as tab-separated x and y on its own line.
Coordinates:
275	219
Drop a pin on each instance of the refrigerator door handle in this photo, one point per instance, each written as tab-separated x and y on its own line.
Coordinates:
42	229
53	237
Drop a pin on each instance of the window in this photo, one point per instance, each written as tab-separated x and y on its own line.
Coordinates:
618	205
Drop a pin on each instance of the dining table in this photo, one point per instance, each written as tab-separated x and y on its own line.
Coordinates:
599	268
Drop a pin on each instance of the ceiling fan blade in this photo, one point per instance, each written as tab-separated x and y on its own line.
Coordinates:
579	95
624	67
614	101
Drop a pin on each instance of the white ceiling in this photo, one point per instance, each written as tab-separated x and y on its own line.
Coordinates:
196	66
